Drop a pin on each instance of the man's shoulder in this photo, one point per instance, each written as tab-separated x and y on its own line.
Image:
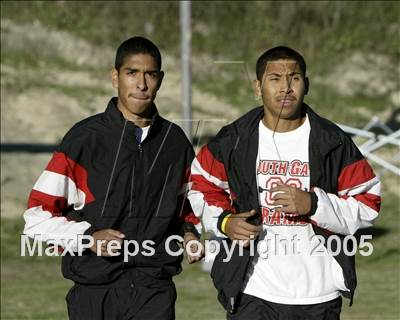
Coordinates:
87	123
229	135
249	118
322	123
80	131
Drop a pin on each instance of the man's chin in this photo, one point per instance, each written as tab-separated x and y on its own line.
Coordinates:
286	114
290	112
141	108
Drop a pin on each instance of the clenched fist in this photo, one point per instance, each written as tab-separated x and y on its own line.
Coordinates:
104	236
291	200
236	227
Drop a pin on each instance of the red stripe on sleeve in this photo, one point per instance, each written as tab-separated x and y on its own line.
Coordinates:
371	200
213	195
355	174
192	218
61	164
55	205
210	164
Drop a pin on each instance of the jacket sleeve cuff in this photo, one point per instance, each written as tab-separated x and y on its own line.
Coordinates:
314	203
90	231
221	220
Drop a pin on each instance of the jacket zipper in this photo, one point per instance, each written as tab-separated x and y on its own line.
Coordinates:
131	205
232	302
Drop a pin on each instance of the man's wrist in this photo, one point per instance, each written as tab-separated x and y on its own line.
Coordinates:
222	219
90	231
223	224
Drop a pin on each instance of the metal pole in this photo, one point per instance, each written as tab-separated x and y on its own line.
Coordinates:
186	37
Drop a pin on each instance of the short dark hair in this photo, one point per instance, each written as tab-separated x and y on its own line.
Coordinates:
136	45
278	53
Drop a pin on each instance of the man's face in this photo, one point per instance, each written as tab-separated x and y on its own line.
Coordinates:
137	81
282	87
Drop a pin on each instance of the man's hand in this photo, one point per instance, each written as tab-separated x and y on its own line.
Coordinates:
105	236
292	200
192	256
236	227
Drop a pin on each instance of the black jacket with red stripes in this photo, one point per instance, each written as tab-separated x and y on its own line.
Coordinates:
100	178
223	173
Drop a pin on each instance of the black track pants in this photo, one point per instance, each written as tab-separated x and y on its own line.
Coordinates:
254	308
123	302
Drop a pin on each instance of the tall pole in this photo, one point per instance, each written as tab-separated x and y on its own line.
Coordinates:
186	37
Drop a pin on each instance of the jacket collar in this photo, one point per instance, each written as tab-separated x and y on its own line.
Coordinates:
324	133
117	119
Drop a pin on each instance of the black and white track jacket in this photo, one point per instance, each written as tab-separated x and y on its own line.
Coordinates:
100	178
224	181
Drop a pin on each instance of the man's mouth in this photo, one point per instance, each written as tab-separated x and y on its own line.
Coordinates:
286	100
138	97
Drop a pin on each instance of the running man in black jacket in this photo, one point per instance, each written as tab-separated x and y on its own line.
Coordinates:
297	183
121	177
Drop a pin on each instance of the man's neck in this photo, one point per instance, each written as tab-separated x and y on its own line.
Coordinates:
139	120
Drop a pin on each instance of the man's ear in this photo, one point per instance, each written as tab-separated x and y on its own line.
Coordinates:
307	85
257	88
114	77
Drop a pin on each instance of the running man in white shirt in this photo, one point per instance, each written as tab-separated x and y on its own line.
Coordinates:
293	180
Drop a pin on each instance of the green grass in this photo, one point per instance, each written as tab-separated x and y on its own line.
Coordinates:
33	287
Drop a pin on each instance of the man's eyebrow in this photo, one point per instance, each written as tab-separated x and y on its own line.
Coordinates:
130	69
294	72
138	70
276	74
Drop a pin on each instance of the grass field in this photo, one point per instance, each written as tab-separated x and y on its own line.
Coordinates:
33	288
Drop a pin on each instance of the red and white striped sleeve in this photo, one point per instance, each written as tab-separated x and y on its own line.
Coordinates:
209	194
356	204
62	184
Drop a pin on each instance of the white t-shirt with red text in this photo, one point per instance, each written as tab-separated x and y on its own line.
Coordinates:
291	266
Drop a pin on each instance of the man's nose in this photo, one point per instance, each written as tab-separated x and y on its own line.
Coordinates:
287	85
141	84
